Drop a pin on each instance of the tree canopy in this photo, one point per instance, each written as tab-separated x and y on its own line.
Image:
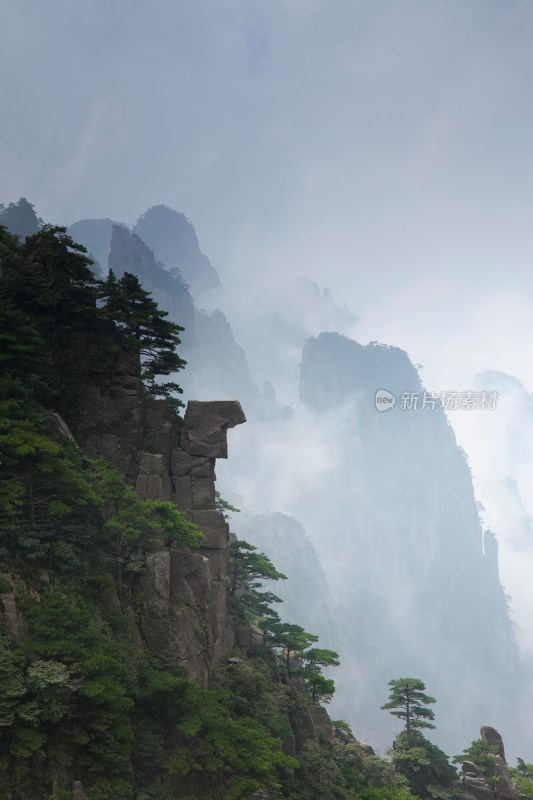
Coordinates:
145	327
48	278
426	767
408	702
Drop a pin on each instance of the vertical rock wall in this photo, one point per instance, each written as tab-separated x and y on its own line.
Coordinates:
184	614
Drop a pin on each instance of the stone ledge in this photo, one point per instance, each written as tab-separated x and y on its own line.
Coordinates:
205	425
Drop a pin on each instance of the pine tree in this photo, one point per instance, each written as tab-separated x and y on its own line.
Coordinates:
428	771
23	354
145	328
408	702
248	568
292	640
53	283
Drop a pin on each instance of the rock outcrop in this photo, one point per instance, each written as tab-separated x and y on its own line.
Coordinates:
112	422
95	235
493	738
475	786
185	610
503	786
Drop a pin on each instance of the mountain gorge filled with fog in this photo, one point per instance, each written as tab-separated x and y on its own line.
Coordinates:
266	410
403	570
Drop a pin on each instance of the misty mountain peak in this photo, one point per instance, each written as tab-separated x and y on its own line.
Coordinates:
173	239
335	369
19	218
95	235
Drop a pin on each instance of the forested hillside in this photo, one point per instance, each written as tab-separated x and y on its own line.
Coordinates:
95	701
142	653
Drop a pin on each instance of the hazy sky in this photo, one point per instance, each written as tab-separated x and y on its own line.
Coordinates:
365	142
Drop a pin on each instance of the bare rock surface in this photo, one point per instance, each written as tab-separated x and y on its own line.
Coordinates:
206	424
469	768
185	609
322	723
503	785
493	738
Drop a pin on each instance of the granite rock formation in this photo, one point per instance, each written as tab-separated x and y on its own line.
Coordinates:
474	785
184	613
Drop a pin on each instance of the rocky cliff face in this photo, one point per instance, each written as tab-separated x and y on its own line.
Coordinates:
167	233
185	609
501	447
184	612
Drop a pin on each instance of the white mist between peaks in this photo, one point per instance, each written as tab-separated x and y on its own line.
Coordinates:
454	337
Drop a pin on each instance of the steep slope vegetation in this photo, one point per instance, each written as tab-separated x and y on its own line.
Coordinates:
119	677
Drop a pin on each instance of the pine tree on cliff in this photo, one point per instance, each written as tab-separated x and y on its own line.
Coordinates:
49	278
146	328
